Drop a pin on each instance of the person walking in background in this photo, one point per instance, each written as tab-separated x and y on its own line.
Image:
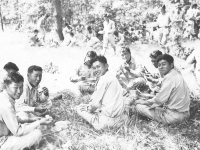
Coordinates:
108	37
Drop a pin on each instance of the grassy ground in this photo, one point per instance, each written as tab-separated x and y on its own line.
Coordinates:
78	134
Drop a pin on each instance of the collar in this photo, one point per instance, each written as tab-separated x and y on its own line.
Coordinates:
30	86
168	74
11	100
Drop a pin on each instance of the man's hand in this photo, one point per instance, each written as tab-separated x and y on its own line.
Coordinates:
46	91
151	79
46	121
39	109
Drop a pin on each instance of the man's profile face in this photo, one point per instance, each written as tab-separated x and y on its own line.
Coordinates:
15	90
35	78
99	68
164	67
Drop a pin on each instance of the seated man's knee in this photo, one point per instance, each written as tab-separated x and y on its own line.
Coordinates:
37	133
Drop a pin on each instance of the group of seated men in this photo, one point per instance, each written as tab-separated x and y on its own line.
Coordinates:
168	102
22	107
25	105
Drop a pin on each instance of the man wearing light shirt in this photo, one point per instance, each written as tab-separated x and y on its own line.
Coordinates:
13	135
106	108
28	106
109	28
172	103
163	22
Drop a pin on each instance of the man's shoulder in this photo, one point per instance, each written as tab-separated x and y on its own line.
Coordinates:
108	76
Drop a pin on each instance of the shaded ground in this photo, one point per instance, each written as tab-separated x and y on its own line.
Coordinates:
138	134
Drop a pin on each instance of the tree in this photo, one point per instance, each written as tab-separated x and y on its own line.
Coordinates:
1	19
58	15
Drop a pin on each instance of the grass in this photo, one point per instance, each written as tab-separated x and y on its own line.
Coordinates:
138	134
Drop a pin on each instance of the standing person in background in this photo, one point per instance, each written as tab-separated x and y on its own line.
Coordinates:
7	69
41	26
109	28
163	23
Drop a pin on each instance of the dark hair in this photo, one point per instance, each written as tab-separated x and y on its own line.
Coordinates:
163	7
126	48
11	65
34	68
194	5
101	59
116	33
155	54
66	24
91	54
13	77
47	15
89	28
71	33
166	57
35	31
106	15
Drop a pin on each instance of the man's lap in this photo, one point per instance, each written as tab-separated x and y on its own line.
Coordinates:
162	115
100	121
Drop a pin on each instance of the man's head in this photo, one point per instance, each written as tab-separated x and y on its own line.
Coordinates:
14	85
125	53
100	66
165	63
11	67
163	9
47	16
154	55
194	6
35	31
116	33
34	75
71	34
106	16
89	58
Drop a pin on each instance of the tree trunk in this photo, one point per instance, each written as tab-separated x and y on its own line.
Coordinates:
1	20
58	15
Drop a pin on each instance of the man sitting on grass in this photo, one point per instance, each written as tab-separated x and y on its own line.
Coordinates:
13	135
7	69
84	75
106	108
34	40
33	102
129	74
171	105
